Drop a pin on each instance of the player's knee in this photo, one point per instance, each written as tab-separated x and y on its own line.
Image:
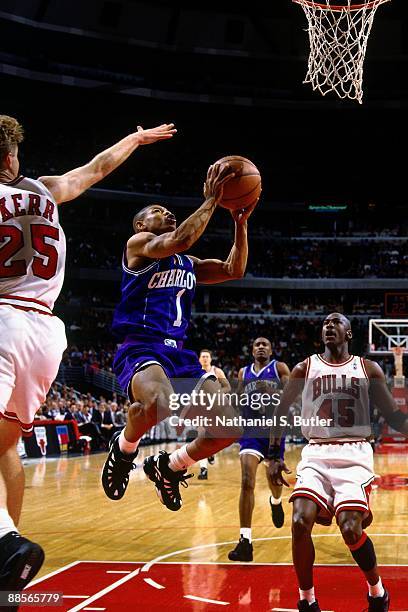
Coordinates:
351	530
158	405
302	525
154	409
247	482
9	436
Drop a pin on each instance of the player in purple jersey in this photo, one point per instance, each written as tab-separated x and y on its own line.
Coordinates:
264	376
151	322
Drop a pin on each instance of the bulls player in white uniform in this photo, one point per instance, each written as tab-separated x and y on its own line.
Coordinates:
336	471
205	359
32	339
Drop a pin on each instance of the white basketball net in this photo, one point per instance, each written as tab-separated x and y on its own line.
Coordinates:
338	41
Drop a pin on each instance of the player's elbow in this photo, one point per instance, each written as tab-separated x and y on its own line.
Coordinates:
236	274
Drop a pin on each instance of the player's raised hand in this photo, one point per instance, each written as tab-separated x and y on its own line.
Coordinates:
241	215
217	176
275	469
161	132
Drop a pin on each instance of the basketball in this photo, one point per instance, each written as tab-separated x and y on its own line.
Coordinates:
245	187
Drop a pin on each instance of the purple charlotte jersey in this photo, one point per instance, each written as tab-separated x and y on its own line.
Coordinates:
255	440
151	321
157	299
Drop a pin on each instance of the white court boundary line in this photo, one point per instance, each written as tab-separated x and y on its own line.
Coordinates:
154	584
51	574
235	563
205	600
104	591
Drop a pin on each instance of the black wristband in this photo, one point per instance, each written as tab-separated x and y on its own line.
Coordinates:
274	452
397	419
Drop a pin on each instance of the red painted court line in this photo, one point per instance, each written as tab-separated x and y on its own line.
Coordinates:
247	588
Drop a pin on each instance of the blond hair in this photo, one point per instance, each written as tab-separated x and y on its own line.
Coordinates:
11	134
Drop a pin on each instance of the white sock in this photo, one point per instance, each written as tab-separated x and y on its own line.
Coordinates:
180	459
246	532
203	463
309	595
6	523
275	501
377	590
127	448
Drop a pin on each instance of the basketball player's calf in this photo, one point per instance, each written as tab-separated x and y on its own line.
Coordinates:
303	551
168	471
362	550
152	389
20	559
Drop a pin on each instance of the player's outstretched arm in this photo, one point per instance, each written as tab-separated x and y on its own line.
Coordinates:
212	271
381	397
146	244
70	185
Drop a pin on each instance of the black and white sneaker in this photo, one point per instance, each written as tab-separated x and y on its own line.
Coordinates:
305	606
20	560
379	604
278	515
243	551
211	459
166	481
116	469
203	475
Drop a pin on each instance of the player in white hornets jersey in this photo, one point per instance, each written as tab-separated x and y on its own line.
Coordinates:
32	339
336	471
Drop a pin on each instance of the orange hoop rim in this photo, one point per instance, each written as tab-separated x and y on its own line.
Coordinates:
338	8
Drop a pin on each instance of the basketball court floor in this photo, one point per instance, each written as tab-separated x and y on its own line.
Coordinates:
134	554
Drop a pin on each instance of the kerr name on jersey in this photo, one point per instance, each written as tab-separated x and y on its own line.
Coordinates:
20	204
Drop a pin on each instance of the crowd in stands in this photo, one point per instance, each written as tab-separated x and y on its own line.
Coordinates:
272	257
231	339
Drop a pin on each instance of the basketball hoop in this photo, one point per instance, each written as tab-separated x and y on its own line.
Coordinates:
338	37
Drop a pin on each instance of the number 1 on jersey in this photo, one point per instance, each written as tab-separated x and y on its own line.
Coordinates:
179	312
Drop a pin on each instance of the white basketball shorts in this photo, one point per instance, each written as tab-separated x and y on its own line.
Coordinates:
31	347
337	476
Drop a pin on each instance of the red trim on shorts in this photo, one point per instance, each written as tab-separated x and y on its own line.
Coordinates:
335	365
362	507
358	544
318	503
26	428
305	492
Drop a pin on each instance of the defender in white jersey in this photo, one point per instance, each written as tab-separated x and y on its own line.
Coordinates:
32	339
336	471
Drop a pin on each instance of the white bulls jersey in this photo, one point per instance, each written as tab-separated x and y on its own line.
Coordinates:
338	394
32	245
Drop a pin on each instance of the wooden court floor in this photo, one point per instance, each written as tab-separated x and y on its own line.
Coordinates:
66	511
